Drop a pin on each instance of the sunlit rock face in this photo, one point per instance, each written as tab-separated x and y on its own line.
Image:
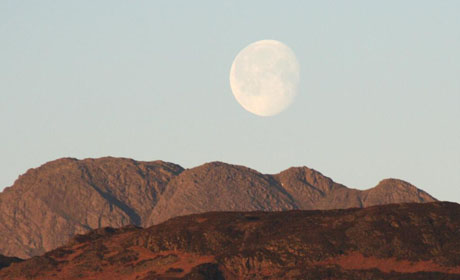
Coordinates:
48	205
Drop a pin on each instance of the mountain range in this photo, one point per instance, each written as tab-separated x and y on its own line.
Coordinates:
50	204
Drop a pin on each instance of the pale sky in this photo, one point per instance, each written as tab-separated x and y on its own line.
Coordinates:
379	87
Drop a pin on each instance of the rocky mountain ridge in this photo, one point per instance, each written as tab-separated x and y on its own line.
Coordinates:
48	205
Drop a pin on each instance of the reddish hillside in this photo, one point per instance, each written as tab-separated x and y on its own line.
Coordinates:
49	204
398	241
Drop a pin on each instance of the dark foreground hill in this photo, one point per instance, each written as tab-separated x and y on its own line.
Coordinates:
6	261
49	204
398	241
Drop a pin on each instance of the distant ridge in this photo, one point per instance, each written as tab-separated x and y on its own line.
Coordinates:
48	205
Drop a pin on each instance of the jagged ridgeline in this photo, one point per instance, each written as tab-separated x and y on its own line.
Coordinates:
48	205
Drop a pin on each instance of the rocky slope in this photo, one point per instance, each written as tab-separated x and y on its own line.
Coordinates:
49	204
219	186
397	241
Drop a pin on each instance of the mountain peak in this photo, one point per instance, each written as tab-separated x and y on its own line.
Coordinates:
393	182
394	191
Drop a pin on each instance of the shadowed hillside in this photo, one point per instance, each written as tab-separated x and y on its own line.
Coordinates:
397	241
6	261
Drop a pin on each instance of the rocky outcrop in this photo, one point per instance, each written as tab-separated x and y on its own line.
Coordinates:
48	205
219	186
397	241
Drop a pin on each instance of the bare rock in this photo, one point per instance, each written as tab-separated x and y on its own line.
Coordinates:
48	205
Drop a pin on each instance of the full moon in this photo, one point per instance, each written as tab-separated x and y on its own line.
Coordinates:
264	77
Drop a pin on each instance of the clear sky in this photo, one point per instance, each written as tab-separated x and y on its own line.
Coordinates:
379	87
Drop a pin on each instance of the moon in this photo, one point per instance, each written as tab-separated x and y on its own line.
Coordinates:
264	77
